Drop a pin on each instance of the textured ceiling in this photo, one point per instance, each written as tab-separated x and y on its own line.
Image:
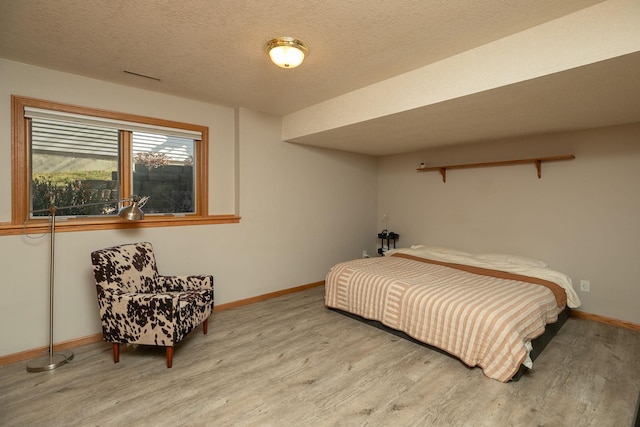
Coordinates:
213	50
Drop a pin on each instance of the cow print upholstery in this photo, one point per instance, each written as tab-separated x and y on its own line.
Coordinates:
139	306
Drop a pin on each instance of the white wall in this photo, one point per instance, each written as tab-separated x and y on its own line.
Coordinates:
582	217
303	209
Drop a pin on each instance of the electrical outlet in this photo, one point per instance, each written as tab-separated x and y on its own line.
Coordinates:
585	285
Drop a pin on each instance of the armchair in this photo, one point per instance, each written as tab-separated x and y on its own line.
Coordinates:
139	306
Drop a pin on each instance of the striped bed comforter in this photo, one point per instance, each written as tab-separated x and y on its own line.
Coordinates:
484	321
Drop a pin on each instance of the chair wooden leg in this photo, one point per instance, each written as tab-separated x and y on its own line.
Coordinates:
205	325
169	356
116	352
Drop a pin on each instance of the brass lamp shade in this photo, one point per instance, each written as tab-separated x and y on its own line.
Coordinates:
131	212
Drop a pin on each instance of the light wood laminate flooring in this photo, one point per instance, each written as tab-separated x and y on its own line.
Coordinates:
289	361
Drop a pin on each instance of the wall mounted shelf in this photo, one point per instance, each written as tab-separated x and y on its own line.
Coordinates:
536	161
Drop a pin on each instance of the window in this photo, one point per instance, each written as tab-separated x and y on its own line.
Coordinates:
73	164
67	155
164	171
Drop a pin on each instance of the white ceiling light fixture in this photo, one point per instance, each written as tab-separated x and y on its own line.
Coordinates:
287	52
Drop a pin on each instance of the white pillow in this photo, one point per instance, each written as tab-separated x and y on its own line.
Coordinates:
513	259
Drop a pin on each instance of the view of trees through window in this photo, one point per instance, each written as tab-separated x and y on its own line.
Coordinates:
73	164
163	170
79	163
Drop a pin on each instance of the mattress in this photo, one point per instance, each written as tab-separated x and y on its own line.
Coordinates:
484	319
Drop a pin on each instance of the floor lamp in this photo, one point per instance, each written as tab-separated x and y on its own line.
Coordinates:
130	212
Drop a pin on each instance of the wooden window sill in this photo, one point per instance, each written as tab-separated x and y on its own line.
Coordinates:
34	226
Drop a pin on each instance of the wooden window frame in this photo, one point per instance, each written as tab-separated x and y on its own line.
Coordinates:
20	167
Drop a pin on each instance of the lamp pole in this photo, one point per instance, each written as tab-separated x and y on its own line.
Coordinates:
53	360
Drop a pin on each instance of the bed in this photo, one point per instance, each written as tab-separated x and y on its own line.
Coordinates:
488	310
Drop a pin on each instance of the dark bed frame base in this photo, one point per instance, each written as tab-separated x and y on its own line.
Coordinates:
538	343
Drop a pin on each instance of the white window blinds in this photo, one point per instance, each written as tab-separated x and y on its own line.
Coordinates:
31	112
